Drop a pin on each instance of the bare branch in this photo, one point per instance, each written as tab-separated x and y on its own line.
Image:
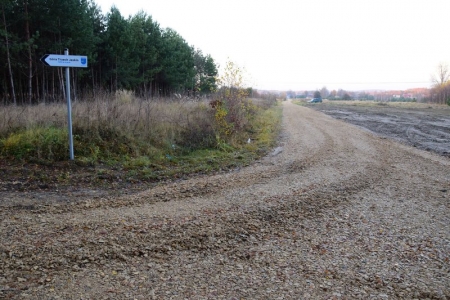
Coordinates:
442	75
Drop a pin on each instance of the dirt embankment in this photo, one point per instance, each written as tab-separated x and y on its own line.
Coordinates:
334	213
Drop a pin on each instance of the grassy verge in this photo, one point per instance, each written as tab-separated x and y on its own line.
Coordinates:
125	141
263	132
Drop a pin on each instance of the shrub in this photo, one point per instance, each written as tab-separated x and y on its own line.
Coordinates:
232	108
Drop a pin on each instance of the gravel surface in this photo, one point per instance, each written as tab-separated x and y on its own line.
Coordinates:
334	212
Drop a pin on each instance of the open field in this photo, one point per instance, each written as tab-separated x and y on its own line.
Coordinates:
335	212
419	125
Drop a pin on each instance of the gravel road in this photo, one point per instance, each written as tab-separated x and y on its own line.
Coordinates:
334	212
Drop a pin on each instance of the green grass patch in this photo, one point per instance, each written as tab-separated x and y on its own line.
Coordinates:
47	143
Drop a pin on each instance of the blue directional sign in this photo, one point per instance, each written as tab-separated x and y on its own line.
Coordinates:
71	61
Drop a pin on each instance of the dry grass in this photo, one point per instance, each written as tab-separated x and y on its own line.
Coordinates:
119	124
125	112
159	120
121	127
16	118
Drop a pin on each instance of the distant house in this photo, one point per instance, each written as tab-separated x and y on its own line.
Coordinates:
408	96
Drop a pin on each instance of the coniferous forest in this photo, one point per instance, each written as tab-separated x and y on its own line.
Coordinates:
132	53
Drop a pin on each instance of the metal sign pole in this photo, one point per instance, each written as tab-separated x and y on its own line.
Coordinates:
67	61
69	108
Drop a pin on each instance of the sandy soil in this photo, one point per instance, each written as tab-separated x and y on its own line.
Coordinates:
335	212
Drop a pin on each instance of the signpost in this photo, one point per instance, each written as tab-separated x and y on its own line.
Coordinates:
55	60
67	61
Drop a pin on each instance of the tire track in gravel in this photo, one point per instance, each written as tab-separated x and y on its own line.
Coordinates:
232	220
312	154
147	241
201	186
190	231
93	234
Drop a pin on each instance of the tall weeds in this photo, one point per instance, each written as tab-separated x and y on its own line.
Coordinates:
145	136
109	126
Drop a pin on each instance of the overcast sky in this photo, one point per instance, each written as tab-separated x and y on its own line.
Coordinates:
308	44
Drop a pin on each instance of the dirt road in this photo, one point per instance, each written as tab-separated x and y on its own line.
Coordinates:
334	213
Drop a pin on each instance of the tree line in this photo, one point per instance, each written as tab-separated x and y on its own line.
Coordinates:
132	53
